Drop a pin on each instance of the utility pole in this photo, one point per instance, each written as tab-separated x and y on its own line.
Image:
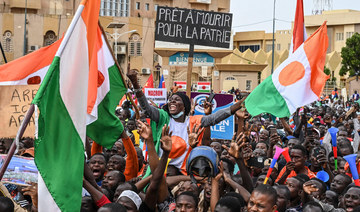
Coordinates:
273	41
25	36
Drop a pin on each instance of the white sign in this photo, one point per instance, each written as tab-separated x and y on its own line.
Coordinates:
157	95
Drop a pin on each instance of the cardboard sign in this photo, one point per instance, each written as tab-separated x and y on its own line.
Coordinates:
157	95
224	129
15	101
196	27
21	170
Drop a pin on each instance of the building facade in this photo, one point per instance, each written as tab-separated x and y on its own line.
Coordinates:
255	47
132	40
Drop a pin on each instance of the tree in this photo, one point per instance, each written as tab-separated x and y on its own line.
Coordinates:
351	56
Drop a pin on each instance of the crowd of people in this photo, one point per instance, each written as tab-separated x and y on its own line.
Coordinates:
165	160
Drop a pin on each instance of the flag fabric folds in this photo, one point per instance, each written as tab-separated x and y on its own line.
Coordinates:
30	69
78	96
162	82
298	81
299	31
149	83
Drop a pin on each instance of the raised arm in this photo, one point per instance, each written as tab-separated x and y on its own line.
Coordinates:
158	184
220	115
144	104
132	166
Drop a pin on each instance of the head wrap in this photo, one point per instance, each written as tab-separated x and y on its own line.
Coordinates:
133	196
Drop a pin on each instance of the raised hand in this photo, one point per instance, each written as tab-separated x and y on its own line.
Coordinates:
194	135
290	166
274	139
192	108
132	75
165	140
242	114
321	157
236	145
144	129
32	191
207	107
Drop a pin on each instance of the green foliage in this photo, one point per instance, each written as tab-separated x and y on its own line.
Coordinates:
351	56
326	70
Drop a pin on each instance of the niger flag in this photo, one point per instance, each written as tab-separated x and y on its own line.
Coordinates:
298	81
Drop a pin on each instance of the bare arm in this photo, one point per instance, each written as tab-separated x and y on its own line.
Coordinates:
242	191
215	195
286	126
158	183
143	182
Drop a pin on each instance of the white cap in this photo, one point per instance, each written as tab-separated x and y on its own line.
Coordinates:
133	196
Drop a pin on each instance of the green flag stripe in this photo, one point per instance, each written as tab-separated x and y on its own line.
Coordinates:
108	128
265	98
59	154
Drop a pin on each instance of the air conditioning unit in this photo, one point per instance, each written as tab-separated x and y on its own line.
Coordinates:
145	71
34	48
121	49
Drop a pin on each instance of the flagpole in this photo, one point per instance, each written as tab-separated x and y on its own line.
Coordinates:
19	135
137	111
71	28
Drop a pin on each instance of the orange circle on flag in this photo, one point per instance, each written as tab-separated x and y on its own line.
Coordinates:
292	73
101	79
178	147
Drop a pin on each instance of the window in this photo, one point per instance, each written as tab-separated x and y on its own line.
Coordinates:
349	34
268	47
49	38
135	45
137	5
248	85
278	46
7	41
253	48
156	7
119	8
230	78
339	36
147	6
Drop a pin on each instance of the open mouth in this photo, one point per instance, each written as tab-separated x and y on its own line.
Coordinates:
96	173
172	107
349	208
208	194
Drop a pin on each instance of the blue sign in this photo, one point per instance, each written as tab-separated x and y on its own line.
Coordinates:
224	129
199	59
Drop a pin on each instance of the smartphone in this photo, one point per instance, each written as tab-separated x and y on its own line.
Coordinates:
256	162
273	131
211	97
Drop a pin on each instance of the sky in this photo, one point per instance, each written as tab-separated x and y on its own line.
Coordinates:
252	15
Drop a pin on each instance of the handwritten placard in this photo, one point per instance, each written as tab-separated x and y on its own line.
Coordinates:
15	101
193	27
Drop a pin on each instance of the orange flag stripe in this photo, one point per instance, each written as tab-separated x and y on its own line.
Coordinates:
315	48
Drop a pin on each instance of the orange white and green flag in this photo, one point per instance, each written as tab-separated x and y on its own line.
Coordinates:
299	31
77	97
298	81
